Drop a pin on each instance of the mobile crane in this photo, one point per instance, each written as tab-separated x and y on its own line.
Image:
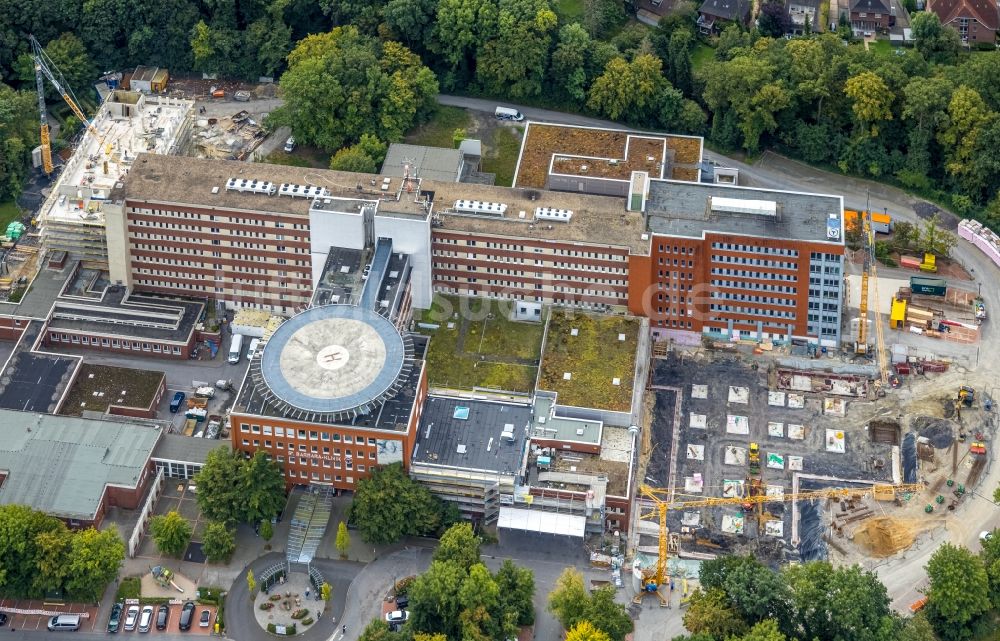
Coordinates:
44	67
655	578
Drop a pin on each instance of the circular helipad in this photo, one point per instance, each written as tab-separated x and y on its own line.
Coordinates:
332	359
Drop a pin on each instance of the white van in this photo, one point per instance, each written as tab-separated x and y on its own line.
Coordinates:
290	145
506	113
254	344
235	349
68	622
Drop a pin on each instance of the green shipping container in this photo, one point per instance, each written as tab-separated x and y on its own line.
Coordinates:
928	286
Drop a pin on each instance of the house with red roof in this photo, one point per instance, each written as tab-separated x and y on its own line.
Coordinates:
974	20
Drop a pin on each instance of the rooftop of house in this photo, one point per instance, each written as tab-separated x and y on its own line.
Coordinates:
433	163
184	449
676	208
985	11
611	154
467	433
546	424
120	313
870	6
726	9
61	465
35	381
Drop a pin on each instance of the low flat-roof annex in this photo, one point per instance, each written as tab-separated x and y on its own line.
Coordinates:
474	442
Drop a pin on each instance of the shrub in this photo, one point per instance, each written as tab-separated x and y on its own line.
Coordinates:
271	628
274	597
266	605
307	621
300	614
403	585
210	596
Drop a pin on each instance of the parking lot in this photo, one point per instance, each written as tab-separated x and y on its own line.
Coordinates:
173	621
39	621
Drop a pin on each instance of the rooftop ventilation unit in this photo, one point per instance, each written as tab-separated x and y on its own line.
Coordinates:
247	185
302	191
549	213
479	207
744	206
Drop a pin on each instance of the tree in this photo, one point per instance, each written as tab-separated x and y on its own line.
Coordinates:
969	119
460	27
679	60
602	17
766	630
251	582
411	20
325	591
958	593
733	41
935	240
517	589
568	598
378	630
514	61
218	543
52	549
773	21
871	100
20	527
569	61
744	95
343	542
19	126
70	57
607	615
628	90
479	597
925	105
935	42
171	533
459	545
414	511
835	604
435	603
585	631
263	488
916	628
266	530
361	86
709	612
754	591
219	496
364	157
93	563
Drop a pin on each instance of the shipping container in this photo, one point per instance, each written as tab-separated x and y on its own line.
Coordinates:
928	286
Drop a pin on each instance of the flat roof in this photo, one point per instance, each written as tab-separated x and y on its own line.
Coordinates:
676	208
611	154
97	387
129	315
599	221
185	449
465	433
340	278
547	425
42	292
129	123
433	163
61	465
35	381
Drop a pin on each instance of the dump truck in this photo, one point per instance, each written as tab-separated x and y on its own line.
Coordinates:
205	392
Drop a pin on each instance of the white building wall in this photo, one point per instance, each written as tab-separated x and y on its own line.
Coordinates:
116	228
332	229
411	236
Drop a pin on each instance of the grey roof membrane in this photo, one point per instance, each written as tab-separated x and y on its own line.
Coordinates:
473	442
333	358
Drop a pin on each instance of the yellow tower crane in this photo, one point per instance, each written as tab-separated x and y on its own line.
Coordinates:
45	67
869	277
656	578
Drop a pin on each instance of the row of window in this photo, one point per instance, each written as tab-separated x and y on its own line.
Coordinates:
751	298
746	273
825	282
137	346
756	262
815	293
159	224
742	284
537	286
304	435
827	307
830	258
537	262
537	250
674	323
514	296
226	282
277	224
754	249
660	273
218	243
752	311
825	318
824	269
676	250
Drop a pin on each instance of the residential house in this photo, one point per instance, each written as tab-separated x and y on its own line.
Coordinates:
800	12
870	16
974	20
714	15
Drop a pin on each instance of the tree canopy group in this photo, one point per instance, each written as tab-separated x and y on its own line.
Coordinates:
389	505
358	73
459	598
233	489
40	556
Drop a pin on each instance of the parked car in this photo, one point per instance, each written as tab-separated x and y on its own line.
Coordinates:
402	602
162	616
64	622
146	619
397	616
115	621
175	404
206	616
254	346
131	617
3	619
187	615
290	145
985	536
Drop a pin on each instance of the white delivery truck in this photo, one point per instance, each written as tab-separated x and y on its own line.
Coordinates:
235	349
506	113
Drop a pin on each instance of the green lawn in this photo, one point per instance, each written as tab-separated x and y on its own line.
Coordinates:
701	55
881	48
497	353
501	155
8	211
438	131
303	156
569	10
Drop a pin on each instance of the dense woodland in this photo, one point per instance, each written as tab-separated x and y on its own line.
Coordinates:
924	117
